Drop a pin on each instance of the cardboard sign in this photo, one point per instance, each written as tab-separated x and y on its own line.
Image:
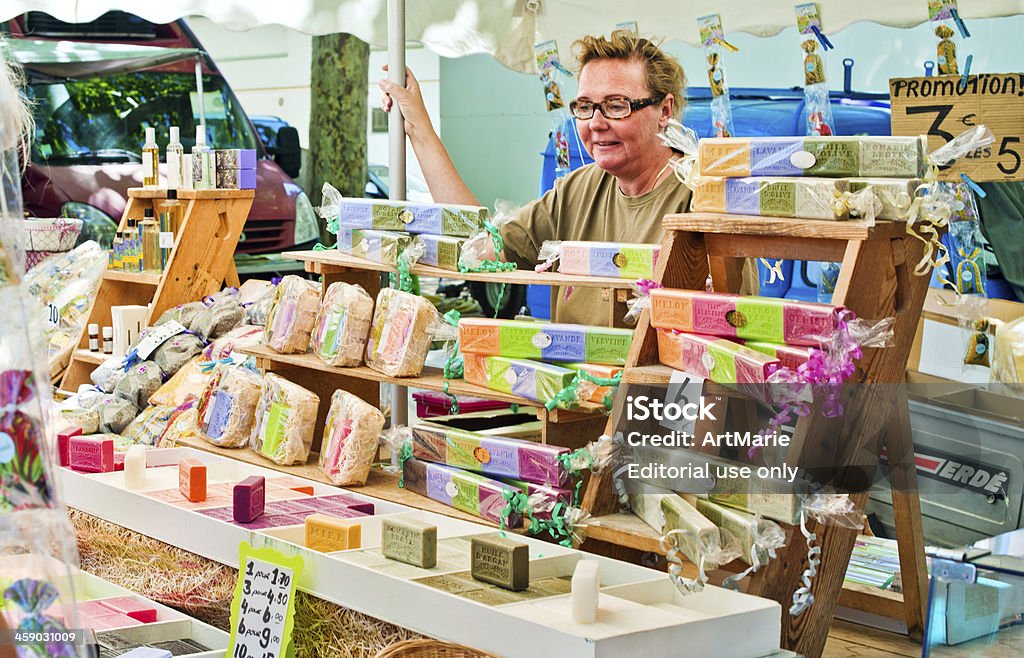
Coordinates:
263	607
937	107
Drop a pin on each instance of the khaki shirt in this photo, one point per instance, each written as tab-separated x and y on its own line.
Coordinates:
588	205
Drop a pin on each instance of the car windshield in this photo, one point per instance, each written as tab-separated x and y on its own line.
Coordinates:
105	118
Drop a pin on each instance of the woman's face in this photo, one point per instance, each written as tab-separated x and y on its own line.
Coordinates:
622	147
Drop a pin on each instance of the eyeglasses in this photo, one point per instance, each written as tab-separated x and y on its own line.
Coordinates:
611	108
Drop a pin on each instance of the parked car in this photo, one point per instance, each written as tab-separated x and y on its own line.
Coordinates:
86	150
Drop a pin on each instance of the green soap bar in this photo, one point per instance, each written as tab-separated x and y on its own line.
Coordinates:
501	561
409	541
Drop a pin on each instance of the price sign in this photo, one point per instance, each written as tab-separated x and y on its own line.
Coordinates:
942	109
52	315
263	607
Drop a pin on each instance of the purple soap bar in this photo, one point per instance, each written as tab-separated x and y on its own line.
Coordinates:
250	499
743	196
773	158
339	500
289	507
91	454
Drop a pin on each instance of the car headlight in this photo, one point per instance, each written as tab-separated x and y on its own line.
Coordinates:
307	226
96	224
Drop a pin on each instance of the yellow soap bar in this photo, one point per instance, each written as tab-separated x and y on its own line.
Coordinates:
327	533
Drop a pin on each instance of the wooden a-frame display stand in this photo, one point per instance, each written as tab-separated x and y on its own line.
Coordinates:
201	261
876	281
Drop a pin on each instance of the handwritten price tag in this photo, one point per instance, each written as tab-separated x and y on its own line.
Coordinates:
263	607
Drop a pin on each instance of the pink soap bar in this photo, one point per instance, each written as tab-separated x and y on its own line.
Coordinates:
132	607
119	461
92	609
110	621
64	444
91	454
249	499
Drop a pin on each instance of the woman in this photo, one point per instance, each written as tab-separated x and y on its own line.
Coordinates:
628	90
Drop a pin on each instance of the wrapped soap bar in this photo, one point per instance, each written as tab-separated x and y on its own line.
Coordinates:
789	356
758	496
350	439
377	246
830	157
532	380
545	341
801	198
246	335
469	492
597	393
441	251
342	325
717	359
747	529
292	316
611	259
398	341
188	381
227	405
895	194
87	420
665	510
494	456
543	496
285	419
765	319
409	216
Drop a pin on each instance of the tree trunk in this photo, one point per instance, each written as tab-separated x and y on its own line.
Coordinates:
337	122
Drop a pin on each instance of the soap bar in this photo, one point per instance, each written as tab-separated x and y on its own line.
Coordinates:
285	420
831	157
736	523
586	588
410	541
524	339
132	607
895	194
490	455
772	499
463	490
342	325
91	454
135	467
736	316
147	652
292	315
326	533
441	251
717	359
304	489
532	380
235	158
249	498
87	419
236	179
113	620
433	218
226	408
500	561
597	393
192	480
801	198
398	341
64	444
376	246
611	259
350	439
545	495
789	356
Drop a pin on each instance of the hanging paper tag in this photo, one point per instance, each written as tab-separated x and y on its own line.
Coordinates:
547	57
52	315
941	10
710	29
629	26
156	337
263	606
166	240
807	18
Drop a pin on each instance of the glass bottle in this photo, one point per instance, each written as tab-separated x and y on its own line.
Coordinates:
202	161
174	153
130	243
150	160
152	256
117	252
172	213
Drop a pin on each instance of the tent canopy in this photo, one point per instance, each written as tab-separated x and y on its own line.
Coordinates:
75	59
508	29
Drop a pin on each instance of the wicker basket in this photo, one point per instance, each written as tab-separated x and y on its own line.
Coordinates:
431	649
59	234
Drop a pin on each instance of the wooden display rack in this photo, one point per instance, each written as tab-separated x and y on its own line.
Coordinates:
876	281
201	261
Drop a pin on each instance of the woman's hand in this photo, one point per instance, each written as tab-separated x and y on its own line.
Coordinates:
410	102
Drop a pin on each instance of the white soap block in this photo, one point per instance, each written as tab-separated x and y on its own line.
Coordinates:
135	467
586	583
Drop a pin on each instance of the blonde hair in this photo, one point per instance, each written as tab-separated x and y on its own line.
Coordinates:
15	112
664	73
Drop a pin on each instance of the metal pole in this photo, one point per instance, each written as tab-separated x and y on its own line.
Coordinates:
396	160
199	90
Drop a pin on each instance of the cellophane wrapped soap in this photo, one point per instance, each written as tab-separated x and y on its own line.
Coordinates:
292	316
342	325
800	198
441	251
350	439
545	341
399	342
285	420
226	409
410	216
377	246
533	380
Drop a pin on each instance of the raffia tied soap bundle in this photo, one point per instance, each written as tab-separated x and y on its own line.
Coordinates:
829	157
342	325
385	215
227	406
350	439
398	341
292	315
545	341
285	419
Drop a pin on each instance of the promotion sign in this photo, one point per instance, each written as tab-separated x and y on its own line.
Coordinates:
263	607
942	108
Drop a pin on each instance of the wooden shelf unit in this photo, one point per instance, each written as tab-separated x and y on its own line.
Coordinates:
876	281
201	261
